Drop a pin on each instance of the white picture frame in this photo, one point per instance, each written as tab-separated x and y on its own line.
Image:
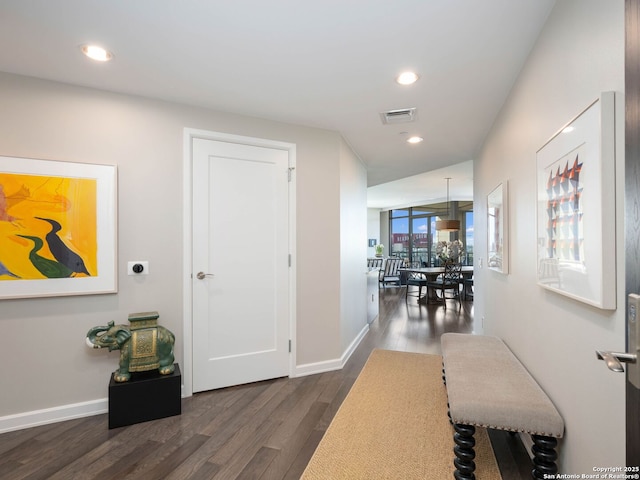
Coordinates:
498	229
58	228
576	230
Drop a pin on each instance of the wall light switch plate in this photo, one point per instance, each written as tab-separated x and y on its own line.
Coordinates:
140	267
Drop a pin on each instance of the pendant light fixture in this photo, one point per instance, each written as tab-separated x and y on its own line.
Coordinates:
448	225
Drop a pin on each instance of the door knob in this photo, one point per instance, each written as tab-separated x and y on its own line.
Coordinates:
614	360
202	275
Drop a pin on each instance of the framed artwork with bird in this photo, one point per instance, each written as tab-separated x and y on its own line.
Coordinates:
57	228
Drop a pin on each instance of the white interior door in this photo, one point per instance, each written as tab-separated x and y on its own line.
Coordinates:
240	264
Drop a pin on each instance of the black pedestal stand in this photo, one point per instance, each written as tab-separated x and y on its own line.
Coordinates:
146	396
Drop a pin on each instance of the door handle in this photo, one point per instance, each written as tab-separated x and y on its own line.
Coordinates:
202	275
614	360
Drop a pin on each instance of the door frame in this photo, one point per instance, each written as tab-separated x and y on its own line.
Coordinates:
187	229
632	196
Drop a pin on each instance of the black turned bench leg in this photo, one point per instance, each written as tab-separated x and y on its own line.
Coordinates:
463	438
544	457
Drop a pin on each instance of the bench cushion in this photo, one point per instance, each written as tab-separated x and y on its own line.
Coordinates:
488	386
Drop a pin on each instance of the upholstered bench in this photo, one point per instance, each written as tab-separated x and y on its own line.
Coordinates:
487	386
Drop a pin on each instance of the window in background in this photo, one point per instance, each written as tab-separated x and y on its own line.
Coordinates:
468	229
414	236
421	235
399	232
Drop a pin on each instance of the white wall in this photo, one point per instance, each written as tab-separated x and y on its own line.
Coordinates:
579	54
353	248
373	229
46	362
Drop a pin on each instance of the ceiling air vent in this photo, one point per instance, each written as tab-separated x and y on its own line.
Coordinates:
404	115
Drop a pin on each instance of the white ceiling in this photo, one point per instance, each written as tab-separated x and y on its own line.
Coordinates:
329	64
424	188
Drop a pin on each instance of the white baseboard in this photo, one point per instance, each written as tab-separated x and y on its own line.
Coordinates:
317	367
335	364
46	416
354	344
35	418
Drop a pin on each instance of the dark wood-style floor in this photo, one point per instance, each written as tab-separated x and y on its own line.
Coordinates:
266	430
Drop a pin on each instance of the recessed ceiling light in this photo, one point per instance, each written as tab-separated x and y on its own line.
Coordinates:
97	53
567	129
407	78
414	139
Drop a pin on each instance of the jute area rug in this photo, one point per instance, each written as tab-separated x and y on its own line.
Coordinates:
394	425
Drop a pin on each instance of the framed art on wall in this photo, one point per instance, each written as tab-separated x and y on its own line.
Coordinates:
576	234
497	229
57	228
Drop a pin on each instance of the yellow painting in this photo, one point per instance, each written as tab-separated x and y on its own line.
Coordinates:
48	227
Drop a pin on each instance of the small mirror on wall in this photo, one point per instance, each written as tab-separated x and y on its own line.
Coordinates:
497	229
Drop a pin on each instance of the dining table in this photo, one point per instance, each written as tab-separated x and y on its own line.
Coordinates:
431	274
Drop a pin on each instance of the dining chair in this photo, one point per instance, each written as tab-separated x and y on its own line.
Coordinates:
450	279
467	288
374	263
390	272
415	279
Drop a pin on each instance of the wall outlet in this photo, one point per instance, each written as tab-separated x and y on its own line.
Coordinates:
140	267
